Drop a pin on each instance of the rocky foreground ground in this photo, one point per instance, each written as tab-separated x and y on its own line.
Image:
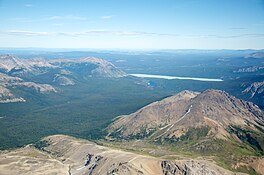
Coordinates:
61	154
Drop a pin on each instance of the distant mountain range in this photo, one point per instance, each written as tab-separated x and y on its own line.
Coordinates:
45	76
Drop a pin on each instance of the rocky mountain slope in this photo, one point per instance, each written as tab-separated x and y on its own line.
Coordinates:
101	68
255	89
46	76
13	65
16	66
208	122
8	83
250	69
7	97
61	154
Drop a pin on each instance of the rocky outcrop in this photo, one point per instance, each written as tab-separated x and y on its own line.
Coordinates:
256	88
250	69
7	83
8	62
7	97
41	88
4	79
186	168
63	80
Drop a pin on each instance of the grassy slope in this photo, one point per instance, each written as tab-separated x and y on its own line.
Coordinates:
197	143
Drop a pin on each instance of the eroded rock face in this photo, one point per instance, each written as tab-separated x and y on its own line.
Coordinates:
66	155
186	168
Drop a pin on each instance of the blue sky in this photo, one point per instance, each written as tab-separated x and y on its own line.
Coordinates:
132	24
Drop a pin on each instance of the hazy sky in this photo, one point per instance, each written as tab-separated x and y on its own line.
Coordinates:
133	24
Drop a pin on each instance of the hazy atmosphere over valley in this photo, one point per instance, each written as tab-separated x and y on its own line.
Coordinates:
136	87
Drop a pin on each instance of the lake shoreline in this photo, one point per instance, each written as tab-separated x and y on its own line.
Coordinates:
174	77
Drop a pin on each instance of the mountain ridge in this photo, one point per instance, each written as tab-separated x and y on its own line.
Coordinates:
67	155
46	76
206	117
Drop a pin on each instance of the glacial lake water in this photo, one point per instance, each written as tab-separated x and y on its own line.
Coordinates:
174	77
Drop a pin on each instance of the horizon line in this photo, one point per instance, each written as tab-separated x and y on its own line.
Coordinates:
165	49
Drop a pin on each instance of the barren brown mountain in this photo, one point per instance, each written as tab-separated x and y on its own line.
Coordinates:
174	115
